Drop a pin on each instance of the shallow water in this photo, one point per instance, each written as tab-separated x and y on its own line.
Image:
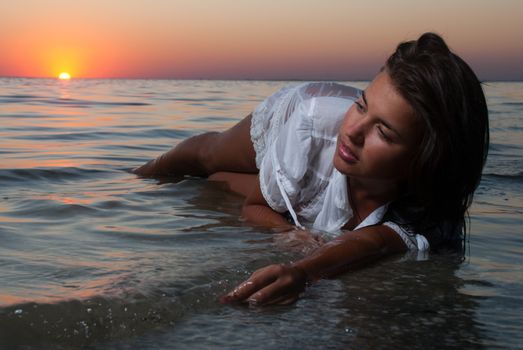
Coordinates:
92	256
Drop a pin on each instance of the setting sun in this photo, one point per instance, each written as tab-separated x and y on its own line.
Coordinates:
64	76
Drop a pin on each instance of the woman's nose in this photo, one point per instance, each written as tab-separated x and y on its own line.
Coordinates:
356	133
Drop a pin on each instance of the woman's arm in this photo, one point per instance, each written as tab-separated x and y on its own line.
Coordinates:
256	210
283	283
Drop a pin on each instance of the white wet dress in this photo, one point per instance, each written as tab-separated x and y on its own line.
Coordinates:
294	133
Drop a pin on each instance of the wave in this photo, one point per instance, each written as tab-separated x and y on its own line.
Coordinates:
510	103
68	102
504	147
16	98
161	132
47	174
514	176
87	103
201	100
134	133
50	210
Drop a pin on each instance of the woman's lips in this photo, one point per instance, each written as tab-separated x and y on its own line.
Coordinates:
346	154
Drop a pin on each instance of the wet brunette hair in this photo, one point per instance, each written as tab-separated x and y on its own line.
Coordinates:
446	169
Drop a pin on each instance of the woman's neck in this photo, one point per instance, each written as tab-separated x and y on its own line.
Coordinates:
368	195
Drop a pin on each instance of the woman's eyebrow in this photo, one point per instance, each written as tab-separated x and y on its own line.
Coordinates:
364	97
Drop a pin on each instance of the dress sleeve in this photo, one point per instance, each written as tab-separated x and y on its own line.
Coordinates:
412	240
268	117
283	129
285	164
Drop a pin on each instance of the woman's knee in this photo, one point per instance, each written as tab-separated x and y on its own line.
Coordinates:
208	150
230	150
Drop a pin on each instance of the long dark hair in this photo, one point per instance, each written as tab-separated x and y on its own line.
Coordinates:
447	96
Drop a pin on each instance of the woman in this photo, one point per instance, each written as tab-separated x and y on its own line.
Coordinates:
389	169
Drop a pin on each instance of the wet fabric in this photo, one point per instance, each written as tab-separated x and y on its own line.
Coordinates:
294	133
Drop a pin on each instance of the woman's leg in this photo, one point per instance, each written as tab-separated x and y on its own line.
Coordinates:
239	183
208	153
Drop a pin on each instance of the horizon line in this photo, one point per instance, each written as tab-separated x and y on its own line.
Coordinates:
222	79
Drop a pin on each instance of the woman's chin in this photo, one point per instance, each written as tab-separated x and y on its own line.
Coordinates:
342	166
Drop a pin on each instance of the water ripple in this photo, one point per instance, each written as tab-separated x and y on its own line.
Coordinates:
93	256
69	102
50	174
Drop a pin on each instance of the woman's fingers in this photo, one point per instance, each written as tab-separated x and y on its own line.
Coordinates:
279	292
240	293
273	284
285	289
257	281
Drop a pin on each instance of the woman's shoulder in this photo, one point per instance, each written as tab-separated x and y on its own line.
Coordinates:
328	89
294	95
436	235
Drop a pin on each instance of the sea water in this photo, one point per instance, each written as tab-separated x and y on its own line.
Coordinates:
93	256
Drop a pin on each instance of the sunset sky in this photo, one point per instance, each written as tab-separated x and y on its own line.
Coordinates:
249	39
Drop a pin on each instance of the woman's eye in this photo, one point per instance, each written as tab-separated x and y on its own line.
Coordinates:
384	134
359	106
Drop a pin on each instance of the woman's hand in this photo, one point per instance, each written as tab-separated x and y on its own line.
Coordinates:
273	284
282	284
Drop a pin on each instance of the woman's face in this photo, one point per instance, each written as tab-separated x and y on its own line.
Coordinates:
378	135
